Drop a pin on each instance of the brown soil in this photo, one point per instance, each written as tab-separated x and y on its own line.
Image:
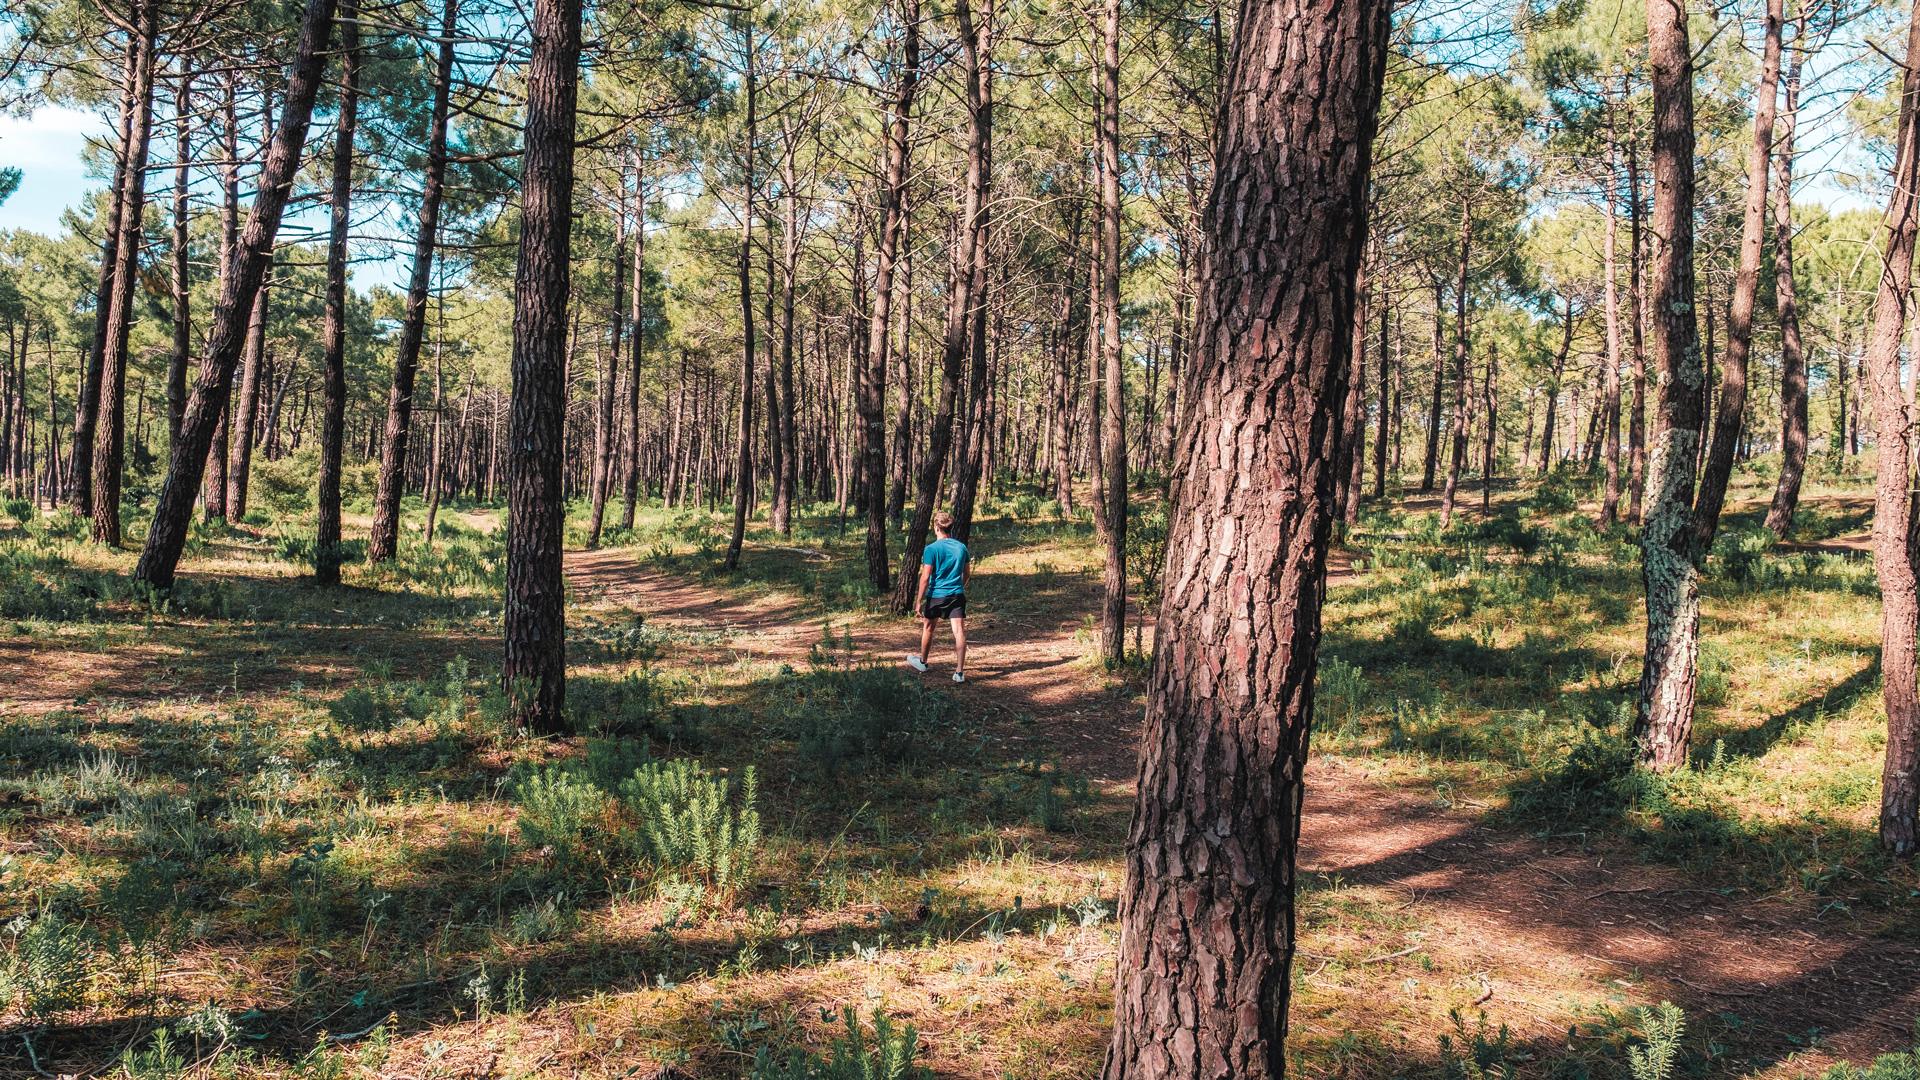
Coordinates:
1541	925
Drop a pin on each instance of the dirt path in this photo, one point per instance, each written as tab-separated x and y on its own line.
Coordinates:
1535	930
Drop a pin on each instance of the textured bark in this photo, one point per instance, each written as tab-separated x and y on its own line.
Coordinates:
1549	424
1457	456
1113	418
384	538
743	433
1610	399
109	451
1730	420
333	334
1669	540
1637	298
86	408
1893	517
182	270
1428	471
1206	909
1793	357
870	395
963	280
245	406
535	667
252	251
976	40
1382	360
636	345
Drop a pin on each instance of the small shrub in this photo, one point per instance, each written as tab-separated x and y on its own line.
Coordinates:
43	971
695	823
889	1053
1655	1058
561	812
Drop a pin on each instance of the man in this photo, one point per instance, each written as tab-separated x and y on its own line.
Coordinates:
943	595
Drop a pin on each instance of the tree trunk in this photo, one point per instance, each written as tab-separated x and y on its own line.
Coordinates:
976	41
1113	418
247	405
1457	458
383	540
182	268
1669	540
1439	387
241	282
86	409
1729	422
1610	402
535	667
1793	358
1893	520
1354	414
787	479
871	390
333	337
1637	298
636	332
607	385
743	469
1380	433
109	451
1206	909
1548	424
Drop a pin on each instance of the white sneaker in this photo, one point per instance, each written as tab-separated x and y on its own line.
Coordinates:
959	677
914	662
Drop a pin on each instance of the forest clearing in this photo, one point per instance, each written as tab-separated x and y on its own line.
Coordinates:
900	539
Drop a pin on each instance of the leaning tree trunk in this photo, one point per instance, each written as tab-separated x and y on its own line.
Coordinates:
1893	536
1793	357
168	534
86	409
1729	421
1207	908
535	668
333	334
384	538
1669	538
110	433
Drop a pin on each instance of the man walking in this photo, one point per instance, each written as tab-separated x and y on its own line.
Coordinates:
943	595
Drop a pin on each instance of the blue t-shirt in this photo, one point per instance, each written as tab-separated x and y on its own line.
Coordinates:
948	558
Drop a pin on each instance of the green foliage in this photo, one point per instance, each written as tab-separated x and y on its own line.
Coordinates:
562	813
1655	1058
838	717
44	965
887	1053
694	823
1477	1053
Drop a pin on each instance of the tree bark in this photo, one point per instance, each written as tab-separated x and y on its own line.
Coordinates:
182	268
86	409
254	249
636	331
1793	358
384	538
743	468
1893	516
1428	471
1610	497
1457	458
976	39
1730	420
1206	908
535	667
109	451
1113	418
1669	539
1548	424
333	335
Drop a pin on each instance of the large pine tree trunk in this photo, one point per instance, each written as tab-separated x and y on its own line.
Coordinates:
384	538
242	280
1207	909
1729	422
1669	540
1893	520
110	444
1113	417
333	334
535	667
976	40
1793	357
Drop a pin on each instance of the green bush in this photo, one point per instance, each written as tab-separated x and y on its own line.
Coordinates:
694	823
889	1053
866	714
43	970
561	812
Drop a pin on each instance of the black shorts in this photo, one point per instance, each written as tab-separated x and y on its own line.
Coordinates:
946	607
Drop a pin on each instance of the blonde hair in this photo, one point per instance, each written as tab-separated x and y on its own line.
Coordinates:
943	521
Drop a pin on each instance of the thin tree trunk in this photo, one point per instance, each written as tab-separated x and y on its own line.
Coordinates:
977	51
535	667
182	279
743	470
1386	384
1113	417
1610	402
1729	423
1457	459
636	332
1428	471
1637	298
384	538
333	336
87	397
1207	905
247	405
242	281
1669	539
1550	423
1793	359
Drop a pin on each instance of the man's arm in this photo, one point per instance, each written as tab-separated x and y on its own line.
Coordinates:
920	595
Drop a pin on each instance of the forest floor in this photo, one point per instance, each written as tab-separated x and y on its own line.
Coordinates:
299	806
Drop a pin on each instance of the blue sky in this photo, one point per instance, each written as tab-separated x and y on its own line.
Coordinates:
46	147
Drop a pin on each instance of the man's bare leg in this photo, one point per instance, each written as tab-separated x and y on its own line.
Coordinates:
926	637
959	643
